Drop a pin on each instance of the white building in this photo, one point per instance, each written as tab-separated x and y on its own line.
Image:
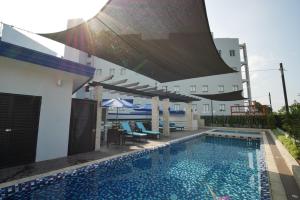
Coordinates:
233	53
35	101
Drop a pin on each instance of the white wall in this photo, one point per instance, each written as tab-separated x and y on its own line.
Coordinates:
19	77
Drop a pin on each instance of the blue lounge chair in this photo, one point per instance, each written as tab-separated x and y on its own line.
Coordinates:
161	126
172	124
141	126
125	126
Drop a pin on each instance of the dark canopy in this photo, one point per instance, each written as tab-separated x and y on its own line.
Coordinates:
162	95
229	96
166	40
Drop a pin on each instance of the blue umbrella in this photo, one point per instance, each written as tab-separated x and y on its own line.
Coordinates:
117	103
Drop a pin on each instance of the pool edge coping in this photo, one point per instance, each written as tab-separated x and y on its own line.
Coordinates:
276	188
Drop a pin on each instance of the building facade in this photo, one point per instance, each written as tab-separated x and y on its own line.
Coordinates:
233	53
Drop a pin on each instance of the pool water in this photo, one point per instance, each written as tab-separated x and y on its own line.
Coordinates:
203	168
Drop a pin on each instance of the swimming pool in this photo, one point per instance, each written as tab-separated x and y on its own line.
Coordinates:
199	168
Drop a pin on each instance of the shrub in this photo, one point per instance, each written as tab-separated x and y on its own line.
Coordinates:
289	144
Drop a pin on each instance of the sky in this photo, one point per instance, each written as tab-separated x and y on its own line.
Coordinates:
270	28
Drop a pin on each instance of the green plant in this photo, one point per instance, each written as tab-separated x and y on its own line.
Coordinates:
289	144
271	121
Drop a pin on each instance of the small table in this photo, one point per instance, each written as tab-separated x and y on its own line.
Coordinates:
116	136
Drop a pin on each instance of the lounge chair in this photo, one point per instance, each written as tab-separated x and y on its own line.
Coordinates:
126	127
161	126
141	126
172	124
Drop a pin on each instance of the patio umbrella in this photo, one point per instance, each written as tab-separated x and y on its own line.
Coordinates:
117	103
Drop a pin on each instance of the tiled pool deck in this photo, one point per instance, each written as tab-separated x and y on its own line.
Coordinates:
281	179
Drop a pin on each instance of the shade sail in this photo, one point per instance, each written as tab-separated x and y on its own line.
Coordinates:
229	96
165	40
162	95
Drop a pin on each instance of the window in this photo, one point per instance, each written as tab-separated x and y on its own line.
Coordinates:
232	52
220	52
193	88
222	107
194	107
110	108
89	55
165	88
205	108
176	107
235	87
205	88
88	63
176	89
112	71
98	72
123	71
221	88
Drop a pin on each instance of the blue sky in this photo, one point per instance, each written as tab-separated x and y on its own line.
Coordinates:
271	29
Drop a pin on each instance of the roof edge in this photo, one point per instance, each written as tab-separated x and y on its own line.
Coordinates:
32	56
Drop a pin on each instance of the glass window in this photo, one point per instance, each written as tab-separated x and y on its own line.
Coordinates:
165	88
123	71
235	87
221	88
205	108
193	88
98	72
176	107
176	89
112	71
205	88
232	52
222	107
194	107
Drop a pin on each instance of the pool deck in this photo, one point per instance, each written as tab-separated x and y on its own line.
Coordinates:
14	173
282	182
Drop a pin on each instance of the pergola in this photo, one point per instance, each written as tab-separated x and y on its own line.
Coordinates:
147	91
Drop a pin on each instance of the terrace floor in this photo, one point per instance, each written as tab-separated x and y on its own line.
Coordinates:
14	173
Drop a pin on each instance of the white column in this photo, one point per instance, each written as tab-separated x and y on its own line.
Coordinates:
155	114
189	117
166	117
98	96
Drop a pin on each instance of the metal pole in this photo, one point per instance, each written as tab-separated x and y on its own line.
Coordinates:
270	102
284	89
212	113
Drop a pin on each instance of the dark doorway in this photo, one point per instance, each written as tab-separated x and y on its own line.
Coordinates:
19	121
82	126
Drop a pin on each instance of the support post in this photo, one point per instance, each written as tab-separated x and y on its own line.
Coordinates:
284	89
166	117
212	113
189	116
155	114
270	102
98	96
